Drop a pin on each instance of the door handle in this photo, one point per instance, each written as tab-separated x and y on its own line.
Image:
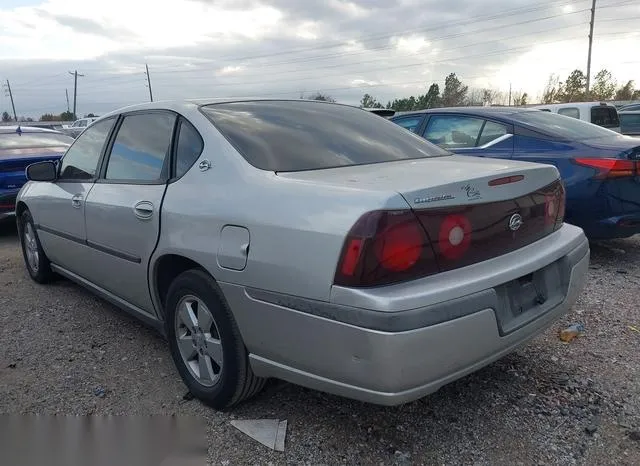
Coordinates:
143	210
76	201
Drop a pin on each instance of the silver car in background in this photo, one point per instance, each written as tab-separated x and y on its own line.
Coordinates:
312	242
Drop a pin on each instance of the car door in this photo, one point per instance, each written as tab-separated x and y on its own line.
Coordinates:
59	207
470	135
123	208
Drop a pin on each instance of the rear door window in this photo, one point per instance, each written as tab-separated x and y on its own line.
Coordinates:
453	131
490	132
409	123
141	148
606	117
572	112
308	135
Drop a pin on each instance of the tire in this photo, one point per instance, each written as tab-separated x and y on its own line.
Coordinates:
192	338
35	259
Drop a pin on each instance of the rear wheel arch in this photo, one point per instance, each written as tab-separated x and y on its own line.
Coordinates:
166	269
21	207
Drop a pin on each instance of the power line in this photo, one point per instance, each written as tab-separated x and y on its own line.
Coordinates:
94	84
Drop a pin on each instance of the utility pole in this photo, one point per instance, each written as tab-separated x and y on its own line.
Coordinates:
149	82
66	91
75	90
593	16
509	94
10	95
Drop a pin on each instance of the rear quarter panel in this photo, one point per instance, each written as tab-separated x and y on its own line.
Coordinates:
296	229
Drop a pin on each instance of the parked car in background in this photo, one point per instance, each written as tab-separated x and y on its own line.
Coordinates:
598	113
629	107
77	126
19	147
599	167
630	122
308	241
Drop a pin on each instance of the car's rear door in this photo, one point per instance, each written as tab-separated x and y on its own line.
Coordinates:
470	135
58	208
123	208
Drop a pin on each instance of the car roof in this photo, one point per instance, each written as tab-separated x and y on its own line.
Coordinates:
26	129
470	110
190	104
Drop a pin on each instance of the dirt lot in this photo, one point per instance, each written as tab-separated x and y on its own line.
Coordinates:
550	402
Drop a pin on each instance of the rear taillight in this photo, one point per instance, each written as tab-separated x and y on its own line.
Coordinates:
385	247
610	168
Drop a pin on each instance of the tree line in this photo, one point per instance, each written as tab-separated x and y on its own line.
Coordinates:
457	94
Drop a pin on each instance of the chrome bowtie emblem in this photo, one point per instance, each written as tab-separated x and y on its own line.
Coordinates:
515	222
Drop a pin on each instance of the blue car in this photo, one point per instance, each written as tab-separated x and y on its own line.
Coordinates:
21	146
600	168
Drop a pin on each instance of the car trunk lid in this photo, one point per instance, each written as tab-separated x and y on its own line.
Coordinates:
471	209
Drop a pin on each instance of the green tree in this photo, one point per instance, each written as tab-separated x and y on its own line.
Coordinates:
604	86
575	87
67	116
626	92
368	101
321	96
431	99
6	116
455	92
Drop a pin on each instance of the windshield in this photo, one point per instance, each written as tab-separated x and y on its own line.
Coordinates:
563	126
294	136
33	140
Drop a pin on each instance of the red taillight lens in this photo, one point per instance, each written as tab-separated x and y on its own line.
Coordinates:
610	168
399	247
385	247
554	206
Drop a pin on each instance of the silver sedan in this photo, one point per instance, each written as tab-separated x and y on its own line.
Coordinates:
312	242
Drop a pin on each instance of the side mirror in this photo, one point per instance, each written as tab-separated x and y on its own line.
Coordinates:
42	171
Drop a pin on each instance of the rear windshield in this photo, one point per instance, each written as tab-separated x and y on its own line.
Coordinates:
605	116
563	126
33	140
306	135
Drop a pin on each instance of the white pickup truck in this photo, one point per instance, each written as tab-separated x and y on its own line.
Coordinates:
78	126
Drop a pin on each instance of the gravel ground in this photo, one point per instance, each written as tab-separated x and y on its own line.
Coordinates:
548	403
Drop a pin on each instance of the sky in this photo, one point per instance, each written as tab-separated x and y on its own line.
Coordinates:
288	48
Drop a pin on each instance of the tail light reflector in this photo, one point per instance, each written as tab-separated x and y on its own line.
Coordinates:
455	236
610	168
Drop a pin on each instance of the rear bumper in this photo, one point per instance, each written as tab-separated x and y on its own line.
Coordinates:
432	345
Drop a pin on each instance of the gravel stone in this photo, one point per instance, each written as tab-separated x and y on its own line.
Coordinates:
531	407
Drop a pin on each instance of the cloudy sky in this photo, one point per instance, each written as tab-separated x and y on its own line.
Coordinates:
285	48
